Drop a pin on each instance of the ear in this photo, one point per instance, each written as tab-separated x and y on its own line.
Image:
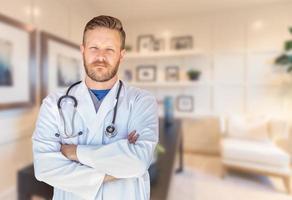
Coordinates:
123	52
81	48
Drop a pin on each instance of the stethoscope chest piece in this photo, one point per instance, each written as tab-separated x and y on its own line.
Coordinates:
111	131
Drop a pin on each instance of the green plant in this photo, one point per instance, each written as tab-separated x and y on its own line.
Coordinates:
285	59
193	74
159	149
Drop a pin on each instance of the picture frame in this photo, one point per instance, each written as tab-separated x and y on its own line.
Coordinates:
17	64
181	42
128	75
172	73
61	64
145	43
158	44
146	73
185	103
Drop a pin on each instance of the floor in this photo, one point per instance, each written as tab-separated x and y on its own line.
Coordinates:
201	181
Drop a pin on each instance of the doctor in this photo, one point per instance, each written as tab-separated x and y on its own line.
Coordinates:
95	165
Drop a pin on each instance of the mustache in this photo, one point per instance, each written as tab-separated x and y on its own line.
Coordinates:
103	63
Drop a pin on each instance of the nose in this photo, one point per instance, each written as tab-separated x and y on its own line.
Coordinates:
100	55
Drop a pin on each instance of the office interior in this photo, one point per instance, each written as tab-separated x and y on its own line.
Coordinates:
219	70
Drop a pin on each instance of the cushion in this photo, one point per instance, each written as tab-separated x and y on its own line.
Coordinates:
285	170
251	128
254	152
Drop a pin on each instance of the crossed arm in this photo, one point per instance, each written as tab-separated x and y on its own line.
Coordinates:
69	151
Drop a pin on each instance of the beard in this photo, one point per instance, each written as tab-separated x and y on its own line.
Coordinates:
101	71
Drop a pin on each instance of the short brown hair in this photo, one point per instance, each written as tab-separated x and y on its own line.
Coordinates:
106	22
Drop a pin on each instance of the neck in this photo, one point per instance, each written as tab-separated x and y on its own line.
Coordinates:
91	84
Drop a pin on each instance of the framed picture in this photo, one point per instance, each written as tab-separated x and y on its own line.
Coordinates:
181	43
17	64
145	43
172	73
146	73
128	75
185	103
158	45
61	64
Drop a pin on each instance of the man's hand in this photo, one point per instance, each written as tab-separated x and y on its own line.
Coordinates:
69	150
108	178
133	137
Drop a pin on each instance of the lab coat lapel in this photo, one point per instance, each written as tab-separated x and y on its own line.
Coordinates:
95	121
85	105
106	106
108	103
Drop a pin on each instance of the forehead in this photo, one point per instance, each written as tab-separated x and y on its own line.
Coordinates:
102	35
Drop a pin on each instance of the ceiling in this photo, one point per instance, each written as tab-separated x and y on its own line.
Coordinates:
155	9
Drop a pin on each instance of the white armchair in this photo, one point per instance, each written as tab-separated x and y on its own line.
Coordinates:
247	145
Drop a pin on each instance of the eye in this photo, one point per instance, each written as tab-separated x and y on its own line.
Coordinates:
110	50
93	48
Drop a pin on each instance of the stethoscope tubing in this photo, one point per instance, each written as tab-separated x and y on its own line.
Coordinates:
110	127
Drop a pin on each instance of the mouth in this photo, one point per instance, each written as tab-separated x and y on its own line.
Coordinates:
99	66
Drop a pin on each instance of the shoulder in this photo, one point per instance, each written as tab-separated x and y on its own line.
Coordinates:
138	94
140	98
52	98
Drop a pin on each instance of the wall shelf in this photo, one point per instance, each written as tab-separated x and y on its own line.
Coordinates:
170	84
164	54
193	58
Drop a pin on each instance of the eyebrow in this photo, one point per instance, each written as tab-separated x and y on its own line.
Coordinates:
94	45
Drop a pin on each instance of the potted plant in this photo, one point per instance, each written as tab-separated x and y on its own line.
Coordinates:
285	59
193	74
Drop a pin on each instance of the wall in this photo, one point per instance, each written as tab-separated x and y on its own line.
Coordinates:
64	18
238	75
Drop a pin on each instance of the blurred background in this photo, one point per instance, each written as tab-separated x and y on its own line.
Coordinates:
220	69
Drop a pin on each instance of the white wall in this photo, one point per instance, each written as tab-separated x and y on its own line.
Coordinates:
64	18
240	46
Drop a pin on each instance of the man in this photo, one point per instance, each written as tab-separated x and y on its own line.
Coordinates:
96	165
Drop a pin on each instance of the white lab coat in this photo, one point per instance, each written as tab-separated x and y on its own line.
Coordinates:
98	155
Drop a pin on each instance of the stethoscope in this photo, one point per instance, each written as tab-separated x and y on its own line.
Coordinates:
110	130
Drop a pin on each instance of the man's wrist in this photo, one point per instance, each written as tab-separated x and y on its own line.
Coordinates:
69	151
74	155
108	178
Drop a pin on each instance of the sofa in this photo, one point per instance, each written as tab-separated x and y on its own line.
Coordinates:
248	144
